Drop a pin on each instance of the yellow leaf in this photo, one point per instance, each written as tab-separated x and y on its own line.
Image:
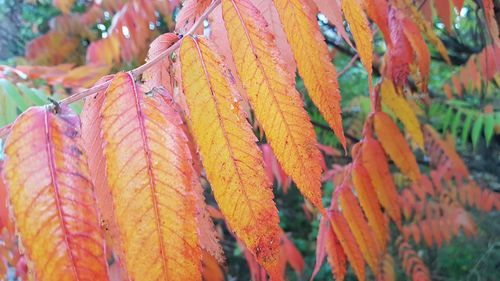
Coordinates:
361	32
233	162
402	110
52	197
272	94
313	60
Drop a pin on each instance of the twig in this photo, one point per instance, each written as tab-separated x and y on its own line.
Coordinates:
4	131
327	128
348	66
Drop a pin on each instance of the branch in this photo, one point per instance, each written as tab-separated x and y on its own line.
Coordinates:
4	131
327	128
348	66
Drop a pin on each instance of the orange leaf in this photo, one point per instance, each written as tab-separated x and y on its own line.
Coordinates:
276	103
490	15
400	54
363	234
443	10
85	75
425	27
375	162
323	232
361	32
347	241
190	12
149	174
336	255
232	160
327	243
313	60
64	5
51	48
458	5
5	220
52	196
396	146
423	56
293	255
387	268
402	110
91	135
211	269
106	51
368	200
435	146
378	11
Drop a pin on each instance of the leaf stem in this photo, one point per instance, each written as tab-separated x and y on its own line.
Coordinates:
4	131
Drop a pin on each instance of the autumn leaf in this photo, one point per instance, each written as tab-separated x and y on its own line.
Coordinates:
347	241
328	244
443	10
458	4
332	10
368	199
363	234
233	162
149	175
211	270
276	103
378	11
5	220
489	14
159	74
190	12
400	54
92	144
64	5
425	27
361	32
396	146
52	196
375	162
313	60
423	56
292	254
85	75
105	51
402	110
435	147
270	14
50	48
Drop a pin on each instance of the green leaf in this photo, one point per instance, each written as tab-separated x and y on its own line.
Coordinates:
466	128
8	112
455	123
476	130
447	119
433	109
489	126
34	95
12	93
